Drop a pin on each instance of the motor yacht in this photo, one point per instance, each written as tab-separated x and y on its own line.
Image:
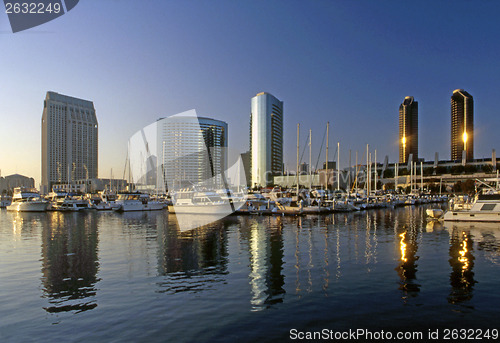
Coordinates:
135	201
67	202
204	202
27	200
484	208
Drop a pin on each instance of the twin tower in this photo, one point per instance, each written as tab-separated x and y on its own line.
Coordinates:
462	127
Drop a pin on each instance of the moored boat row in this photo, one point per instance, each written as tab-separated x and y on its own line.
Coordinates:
29	200
275	202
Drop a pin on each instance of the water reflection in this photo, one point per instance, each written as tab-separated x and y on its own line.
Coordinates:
26	223
266	263
193	260
486	238
69	261
407	268
462	263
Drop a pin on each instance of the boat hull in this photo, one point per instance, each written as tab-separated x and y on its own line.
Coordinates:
138	206
434	213
217	209
470	216
27	206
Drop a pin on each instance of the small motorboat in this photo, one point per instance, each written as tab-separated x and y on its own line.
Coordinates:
434	213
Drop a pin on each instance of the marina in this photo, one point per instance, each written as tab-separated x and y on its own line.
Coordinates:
87	275
249	172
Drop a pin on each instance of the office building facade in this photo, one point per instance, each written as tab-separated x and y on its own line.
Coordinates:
266	139
69	140
462	125
408	130
191	151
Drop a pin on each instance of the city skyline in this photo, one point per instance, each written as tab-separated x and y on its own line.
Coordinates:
328	61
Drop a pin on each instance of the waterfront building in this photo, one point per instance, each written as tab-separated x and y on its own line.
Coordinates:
69	140
266	139
462	125
332	165
91	185
191	151
8	183
304	168
408	130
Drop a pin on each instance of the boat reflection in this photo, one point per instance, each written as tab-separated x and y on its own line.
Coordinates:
434	226
194	260
25	224
70	262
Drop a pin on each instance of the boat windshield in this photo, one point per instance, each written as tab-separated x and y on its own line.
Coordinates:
129	196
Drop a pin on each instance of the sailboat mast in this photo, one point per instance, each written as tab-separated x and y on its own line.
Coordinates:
375	170
411	177
370	176
396	172
367	181
421	176
298	174
350	173
415	175
356	177
326	167
338	166
310	158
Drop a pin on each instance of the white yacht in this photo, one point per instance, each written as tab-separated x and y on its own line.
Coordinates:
434	213
63	201
205	202
27	200
103	201
135	201
484	208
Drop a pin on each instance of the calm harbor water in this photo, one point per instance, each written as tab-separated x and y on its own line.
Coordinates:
135	277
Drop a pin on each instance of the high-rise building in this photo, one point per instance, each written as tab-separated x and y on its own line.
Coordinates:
191	151
266	139
69	140
408	130
462	125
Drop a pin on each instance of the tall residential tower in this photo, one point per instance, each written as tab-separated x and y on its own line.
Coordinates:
266	139
408	130
462	125
69	140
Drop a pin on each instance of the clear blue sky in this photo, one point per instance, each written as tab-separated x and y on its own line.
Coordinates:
347	62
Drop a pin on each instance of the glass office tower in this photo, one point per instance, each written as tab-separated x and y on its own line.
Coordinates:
408	130
266	139
462	125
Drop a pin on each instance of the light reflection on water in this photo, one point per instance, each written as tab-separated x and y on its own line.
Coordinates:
379	269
